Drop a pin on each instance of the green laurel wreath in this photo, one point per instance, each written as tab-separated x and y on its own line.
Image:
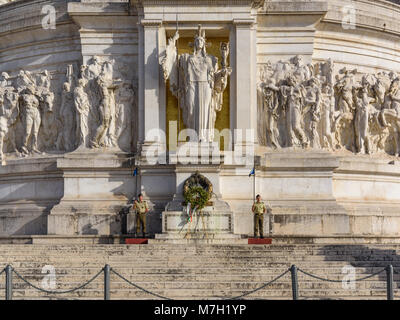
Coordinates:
196	196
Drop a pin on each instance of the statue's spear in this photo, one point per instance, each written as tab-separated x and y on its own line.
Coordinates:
177	69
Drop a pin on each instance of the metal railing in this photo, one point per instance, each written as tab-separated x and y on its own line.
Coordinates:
107	270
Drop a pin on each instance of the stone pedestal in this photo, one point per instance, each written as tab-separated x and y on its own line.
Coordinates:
97	187
214	223
131	223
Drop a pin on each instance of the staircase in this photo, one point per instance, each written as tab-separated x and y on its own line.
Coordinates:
201	271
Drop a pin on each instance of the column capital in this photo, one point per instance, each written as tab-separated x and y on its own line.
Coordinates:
152	23
246	23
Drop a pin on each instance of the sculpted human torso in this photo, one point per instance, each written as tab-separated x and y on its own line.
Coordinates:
199	67
200	91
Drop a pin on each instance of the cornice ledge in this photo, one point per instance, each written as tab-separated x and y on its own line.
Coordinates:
240	22
290	7
151	22
97	8
143	3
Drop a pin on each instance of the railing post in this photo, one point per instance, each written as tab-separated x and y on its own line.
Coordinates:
389	282
9	288
107	282
295	289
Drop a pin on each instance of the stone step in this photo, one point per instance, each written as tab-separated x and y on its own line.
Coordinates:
177	247
228	247
212	271
190	273
234	286
215	266
71	282
212	263
216	254
200	271
215	294
203	261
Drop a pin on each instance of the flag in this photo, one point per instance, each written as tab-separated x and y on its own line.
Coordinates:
253	172
135	172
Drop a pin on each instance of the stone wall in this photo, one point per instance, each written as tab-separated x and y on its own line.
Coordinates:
315	92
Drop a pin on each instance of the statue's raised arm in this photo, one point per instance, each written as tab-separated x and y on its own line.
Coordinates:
169	63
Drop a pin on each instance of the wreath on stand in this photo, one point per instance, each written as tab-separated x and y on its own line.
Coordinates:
197	191
197	197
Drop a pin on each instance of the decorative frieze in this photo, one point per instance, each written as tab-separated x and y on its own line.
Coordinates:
306	105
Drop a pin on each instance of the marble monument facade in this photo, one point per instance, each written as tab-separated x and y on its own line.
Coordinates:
312	89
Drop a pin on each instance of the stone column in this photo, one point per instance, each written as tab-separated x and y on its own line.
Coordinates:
151	108
243	92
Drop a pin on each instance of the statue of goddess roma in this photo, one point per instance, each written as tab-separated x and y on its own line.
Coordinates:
197	82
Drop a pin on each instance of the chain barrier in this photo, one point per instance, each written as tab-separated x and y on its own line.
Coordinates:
260	288
166	298
136	286
329	280
58	292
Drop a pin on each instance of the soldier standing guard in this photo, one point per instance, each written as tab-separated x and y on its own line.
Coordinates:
259	209
141	208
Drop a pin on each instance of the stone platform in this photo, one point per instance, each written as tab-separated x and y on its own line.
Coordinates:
312	194
343	186
196	238
225	240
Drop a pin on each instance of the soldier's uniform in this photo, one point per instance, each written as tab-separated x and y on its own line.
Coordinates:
141	208
259	208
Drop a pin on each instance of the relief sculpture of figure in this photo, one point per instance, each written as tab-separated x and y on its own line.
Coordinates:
49	124
25	79
103	113
39	112
43	80
93	70
220	83
391	112
344	115
271	104
313	104
344	110
302	72
125	98
67	117
8	117
345	87
197	82
100	119
294	94
30	115
361	121
328	102
4	79
81	103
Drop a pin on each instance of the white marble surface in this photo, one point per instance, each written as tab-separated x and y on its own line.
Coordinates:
308	192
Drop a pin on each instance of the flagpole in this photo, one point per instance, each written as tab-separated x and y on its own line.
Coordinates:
254	185
136	182
134	172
